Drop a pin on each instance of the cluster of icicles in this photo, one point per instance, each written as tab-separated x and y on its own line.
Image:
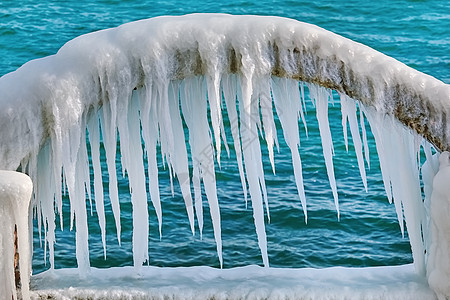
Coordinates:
155	112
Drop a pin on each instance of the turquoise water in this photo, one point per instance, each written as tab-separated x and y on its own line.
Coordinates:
414	32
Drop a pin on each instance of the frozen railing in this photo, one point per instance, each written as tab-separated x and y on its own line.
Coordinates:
141	73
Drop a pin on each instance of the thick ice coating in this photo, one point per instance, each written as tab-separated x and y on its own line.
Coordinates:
15	196
438	267
141	80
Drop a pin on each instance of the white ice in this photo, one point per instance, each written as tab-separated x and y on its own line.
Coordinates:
321	97
348	107
127	84
15	195
438	268
249	282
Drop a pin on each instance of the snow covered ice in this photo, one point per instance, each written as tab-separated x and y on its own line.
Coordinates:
150	73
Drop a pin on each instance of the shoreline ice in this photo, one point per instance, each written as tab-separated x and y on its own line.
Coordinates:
249	282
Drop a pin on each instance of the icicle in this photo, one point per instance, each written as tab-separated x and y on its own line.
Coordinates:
270	132
188	90
179	156
256	146
45	190
364	135
302	105
150	135
253	142
302	91
428	171
344	113
198	196
350	111
250	147
376	123
164	124
170	171
94	139
214	97
321	96
390	142
73	164
85	167
406	185
229	87
193	104
109	134
286	104
131	150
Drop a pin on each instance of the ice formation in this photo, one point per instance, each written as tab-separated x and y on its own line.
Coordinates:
438	202
15	195
248	282
137	82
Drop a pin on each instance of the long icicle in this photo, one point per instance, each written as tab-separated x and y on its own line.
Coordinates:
349	106
194	108
109	134
131	149
229	87
94	140
321	95
249	135
150	136
179	156
288	106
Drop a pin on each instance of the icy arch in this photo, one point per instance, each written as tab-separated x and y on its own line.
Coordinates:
150	73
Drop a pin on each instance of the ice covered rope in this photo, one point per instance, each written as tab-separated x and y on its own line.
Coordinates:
150	73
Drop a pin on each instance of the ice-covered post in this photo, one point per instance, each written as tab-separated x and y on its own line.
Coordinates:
15	195
438	264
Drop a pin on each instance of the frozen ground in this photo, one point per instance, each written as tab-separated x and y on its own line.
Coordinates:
249	282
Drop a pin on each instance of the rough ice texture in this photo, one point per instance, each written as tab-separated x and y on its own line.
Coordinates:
149	73
438	267
249	282
104	67
15	196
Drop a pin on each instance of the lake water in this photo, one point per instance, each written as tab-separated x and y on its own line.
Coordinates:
414	32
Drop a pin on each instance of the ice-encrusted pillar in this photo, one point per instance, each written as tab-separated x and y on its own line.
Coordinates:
438	263
15	194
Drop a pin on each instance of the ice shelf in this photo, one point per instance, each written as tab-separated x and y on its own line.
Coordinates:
249	282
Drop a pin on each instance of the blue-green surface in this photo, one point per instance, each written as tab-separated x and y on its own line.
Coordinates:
414	32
